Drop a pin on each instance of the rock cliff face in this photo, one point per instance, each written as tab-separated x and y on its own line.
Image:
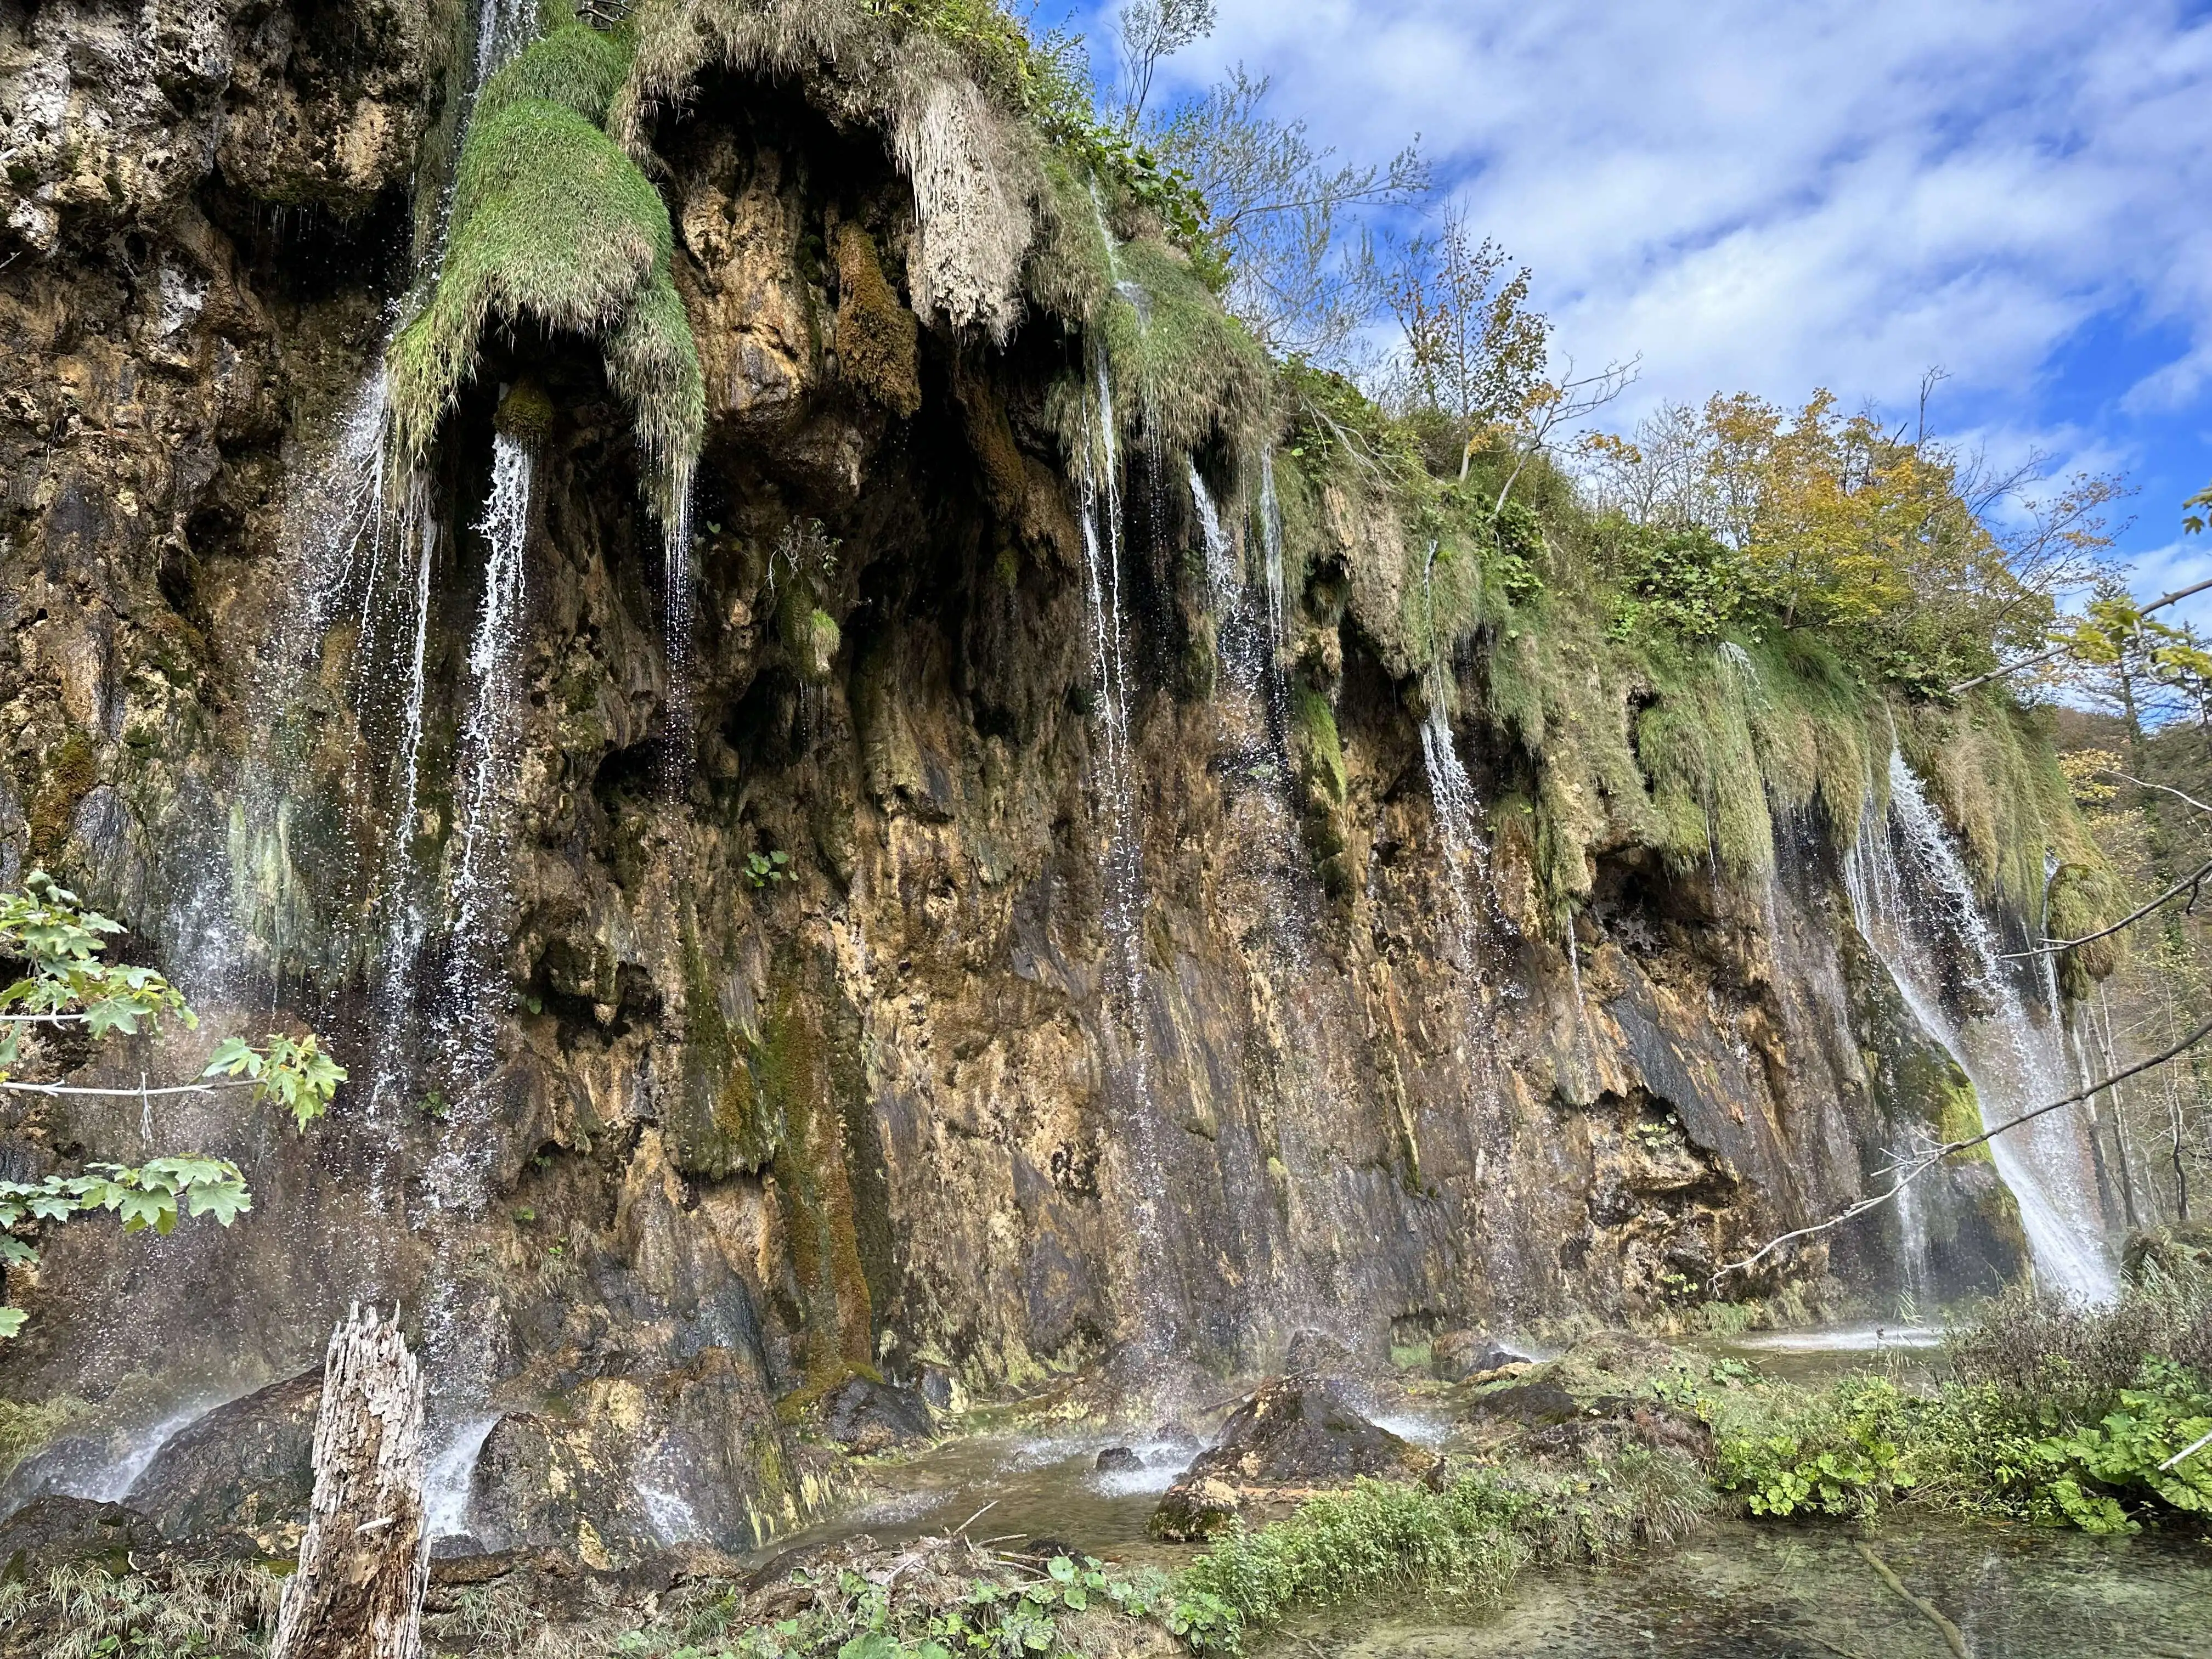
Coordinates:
826	1027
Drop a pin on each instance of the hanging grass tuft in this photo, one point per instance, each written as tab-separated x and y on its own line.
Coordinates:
552	221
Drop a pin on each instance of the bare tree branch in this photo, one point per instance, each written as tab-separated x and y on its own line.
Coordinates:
1919	1163
2190	884
2113	772
2058	651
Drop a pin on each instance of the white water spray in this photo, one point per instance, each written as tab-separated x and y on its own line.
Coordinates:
1920	915
1271	542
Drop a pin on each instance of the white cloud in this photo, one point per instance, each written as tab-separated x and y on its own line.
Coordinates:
1774	198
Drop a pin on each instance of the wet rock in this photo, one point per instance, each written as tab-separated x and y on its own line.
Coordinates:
1615	1421
939	1388
73	1463
631	1464
1457	1355
1597	1395
1178	1434
248	1466
60	1531
1196	1507
1119	1460
1289	1439
867	1417
1528	1403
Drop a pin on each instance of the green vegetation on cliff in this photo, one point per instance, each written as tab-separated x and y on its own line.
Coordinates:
552	223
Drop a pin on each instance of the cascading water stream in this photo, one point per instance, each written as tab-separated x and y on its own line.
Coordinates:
1271	542
1114	786
1915	905
462	1340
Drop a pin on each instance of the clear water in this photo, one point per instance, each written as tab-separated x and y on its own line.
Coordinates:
1804	1592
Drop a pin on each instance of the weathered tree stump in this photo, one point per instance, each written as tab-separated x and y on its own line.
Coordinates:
365	1560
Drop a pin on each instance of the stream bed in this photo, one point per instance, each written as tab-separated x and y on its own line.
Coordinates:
1738	1590
1787	1591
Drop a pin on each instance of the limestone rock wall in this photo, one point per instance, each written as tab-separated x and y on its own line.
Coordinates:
751	1123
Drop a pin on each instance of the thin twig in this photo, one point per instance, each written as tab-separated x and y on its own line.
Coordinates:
1951	1637
125	1094
1913	1168
2057	650
974	1518
2190	1449
2140	783
2190	884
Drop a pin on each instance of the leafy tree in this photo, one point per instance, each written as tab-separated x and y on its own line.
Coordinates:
1918	559
1150	31
67	986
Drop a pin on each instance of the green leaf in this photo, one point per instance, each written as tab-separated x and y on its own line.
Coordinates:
232	1056
11	1321
225	1203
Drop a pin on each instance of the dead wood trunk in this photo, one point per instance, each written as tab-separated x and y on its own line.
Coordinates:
365	1560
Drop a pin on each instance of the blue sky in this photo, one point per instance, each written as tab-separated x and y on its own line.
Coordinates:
1773	196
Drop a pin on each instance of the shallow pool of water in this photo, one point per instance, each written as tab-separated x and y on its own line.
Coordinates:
1027	1485
1804	1592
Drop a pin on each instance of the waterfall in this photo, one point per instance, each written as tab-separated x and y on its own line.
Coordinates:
1271	541
504	28
1920	914
676	629
1459	823
1222	579
489	754
1114	786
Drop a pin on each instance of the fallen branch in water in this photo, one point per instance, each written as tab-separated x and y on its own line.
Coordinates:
1917	1165
1951	1638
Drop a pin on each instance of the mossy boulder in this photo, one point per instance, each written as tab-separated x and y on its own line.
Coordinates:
1290	1438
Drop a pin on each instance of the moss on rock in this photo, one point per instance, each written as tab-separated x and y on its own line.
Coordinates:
70	769
875	332
524	412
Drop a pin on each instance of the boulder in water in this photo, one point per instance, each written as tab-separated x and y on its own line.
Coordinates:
1291	1437
245	1467
1119	1460
865	1416
1457	1355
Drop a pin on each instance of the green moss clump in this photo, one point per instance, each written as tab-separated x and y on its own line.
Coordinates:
552	221
525	412
1958	1115
572	64
810	634
876	334
2084	899
1324	788
72	767
1195	371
